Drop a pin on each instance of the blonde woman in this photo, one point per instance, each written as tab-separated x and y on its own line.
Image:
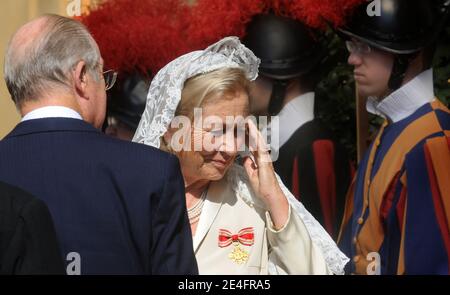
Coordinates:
243	220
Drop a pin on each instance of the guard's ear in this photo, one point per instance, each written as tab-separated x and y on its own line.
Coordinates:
167	137
111	130
79	74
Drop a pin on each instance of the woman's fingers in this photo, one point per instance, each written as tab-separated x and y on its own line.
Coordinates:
250	168
258	145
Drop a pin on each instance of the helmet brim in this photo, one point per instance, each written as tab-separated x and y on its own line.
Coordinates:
391	47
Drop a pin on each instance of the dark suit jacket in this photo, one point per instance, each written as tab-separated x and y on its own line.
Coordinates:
118	207
28	243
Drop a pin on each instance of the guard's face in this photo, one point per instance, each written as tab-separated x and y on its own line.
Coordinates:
260	92
372	68
218	140
118	129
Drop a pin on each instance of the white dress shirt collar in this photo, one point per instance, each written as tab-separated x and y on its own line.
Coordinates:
406	100
52	112
294	114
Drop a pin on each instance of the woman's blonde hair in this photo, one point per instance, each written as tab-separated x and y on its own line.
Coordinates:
201	89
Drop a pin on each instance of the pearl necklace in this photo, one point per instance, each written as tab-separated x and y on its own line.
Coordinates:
195	211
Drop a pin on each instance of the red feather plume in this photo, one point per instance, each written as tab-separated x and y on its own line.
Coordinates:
316	14
212	20
139	35
145	35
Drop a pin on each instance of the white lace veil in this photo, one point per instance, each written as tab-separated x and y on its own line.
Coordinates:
164	96
165	90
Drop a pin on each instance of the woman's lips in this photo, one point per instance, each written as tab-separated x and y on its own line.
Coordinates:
219	163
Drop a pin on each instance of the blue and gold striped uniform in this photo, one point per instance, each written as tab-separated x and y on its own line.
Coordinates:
399	203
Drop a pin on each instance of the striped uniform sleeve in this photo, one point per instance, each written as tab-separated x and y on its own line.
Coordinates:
425	240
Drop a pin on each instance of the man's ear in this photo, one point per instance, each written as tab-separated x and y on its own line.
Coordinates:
80	78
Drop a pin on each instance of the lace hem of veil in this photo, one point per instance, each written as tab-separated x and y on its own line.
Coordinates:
334	258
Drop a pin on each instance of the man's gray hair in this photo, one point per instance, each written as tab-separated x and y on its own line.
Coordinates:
48	58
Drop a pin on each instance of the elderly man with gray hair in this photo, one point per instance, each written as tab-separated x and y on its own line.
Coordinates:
118	207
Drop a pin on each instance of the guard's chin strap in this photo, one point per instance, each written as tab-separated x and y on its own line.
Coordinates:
277	97
399	68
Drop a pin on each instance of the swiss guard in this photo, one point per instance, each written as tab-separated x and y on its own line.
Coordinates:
397	214
310	162
126	103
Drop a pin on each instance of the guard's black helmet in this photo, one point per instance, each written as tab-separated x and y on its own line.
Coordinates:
287	48
396	26
127	102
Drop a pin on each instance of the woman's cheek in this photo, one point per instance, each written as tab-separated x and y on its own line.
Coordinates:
240	143
197	140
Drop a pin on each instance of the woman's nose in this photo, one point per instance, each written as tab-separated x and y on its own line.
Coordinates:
228	145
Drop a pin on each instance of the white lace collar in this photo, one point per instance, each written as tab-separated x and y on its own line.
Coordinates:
294	114
406	100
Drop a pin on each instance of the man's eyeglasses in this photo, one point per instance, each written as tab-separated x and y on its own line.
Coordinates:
358	47
110	77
